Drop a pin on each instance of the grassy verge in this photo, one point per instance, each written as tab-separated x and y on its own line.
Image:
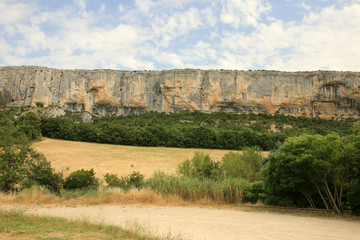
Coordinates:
19	226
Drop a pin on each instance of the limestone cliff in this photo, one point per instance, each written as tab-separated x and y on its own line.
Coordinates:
103	92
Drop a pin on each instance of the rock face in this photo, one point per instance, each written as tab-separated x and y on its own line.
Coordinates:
104	92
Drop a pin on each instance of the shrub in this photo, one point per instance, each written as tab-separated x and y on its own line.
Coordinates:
22	167
112	180
134	180
254	192
81	179
200	166
244	165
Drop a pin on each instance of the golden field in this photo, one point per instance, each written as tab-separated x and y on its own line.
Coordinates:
68	156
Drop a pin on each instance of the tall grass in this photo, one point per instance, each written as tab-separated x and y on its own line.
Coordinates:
40	195
161	188
221	191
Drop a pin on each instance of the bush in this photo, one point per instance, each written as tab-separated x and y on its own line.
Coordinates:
200	166
244	165
112	180
81	179
354	197
22	167
134	180
254	192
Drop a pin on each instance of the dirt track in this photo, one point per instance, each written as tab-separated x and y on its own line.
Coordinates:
203	223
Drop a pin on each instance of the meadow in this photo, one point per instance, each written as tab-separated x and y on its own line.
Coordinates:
68	156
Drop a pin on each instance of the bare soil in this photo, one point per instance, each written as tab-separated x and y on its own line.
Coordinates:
204	223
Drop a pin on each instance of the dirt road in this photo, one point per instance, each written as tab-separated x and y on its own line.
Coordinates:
203	223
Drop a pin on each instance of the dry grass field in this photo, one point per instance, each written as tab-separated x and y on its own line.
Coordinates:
68	156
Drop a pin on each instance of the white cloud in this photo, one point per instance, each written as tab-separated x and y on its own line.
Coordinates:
209	15
181	34
13	12
326	39
168	27
144	5
305	6
171	58
243	12
81	4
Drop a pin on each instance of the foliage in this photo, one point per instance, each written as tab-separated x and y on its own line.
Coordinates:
254	192
244	165
314	166
200	166
22	167
112	180
356	127
133	180
220	130
353	185
29	124
9	131
81	179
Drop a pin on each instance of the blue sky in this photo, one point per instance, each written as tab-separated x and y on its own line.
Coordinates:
288	35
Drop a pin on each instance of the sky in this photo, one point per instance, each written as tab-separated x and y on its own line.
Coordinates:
288	35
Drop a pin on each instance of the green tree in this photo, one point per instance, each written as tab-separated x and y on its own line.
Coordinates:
245	165
310	165
353	186
30	125
22	167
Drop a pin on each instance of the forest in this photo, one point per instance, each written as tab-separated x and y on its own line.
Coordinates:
219	130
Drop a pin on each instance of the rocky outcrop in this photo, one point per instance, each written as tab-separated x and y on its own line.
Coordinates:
104	92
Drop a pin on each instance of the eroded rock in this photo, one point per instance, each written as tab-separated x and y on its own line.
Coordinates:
106	92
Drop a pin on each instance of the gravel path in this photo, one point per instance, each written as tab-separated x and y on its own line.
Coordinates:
202	223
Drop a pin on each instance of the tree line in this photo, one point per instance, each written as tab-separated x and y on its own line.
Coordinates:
192	130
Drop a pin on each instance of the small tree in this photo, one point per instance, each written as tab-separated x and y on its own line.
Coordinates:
22	167
245	165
